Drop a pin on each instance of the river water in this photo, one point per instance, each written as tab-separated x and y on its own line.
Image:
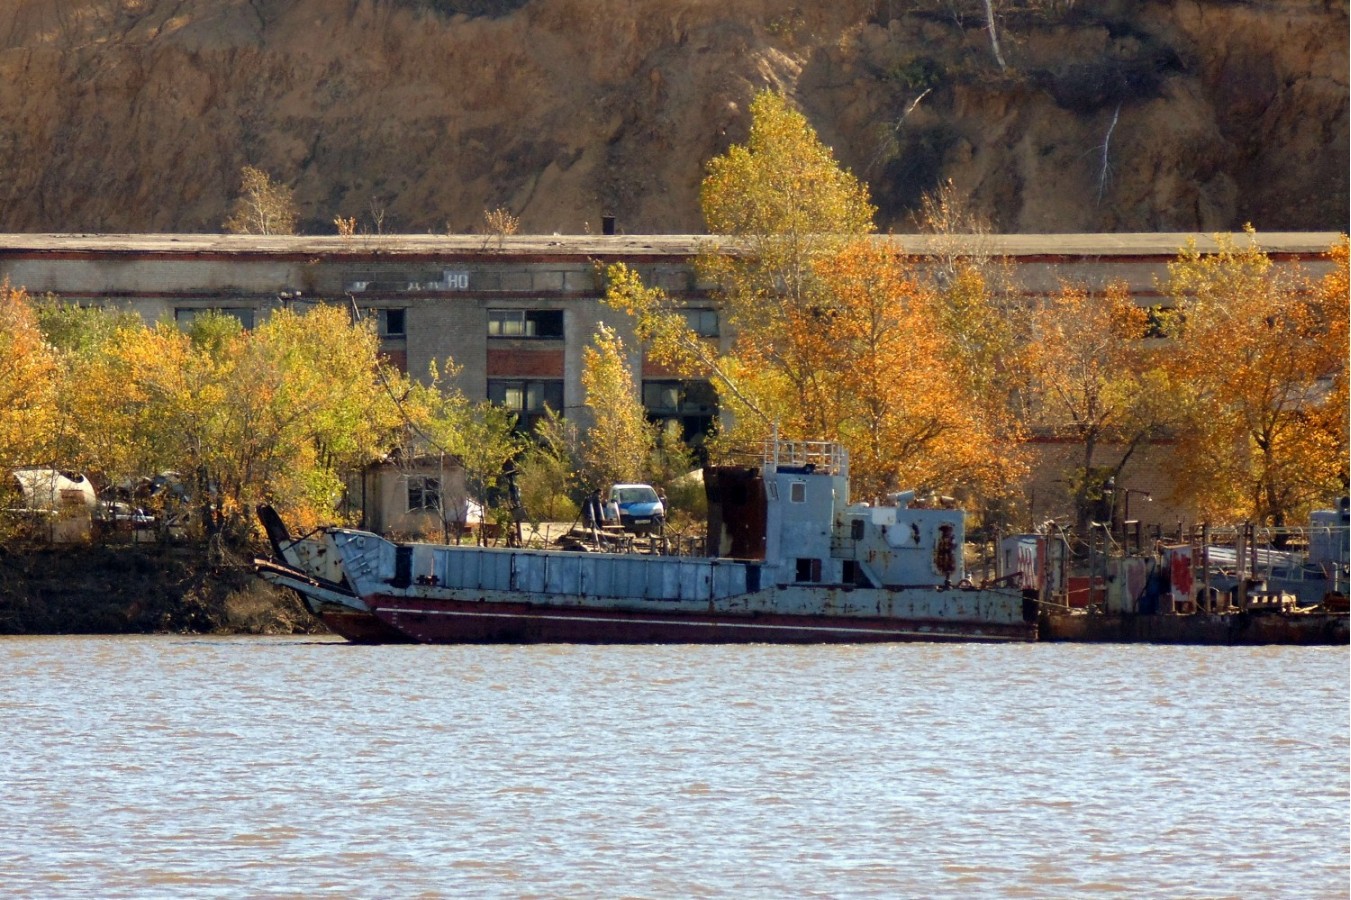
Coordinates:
262	767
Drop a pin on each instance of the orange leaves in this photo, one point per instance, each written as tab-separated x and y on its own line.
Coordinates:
1095	379
871	368
1261	354
1089	359
28	383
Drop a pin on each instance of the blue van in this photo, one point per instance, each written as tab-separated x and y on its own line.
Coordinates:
640	508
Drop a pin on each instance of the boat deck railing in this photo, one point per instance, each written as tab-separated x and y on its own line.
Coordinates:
826	457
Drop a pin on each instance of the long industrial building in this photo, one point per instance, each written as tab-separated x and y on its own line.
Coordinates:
516	312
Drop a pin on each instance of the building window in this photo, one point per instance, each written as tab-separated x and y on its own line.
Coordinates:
661	397
525	323
424	493
527	398
184	316
703	322
797	492
393	322
692	404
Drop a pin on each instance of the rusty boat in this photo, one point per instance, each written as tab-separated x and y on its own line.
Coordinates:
1209	587
791	560
309	566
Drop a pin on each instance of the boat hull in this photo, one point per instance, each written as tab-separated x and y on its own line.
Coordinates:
467	621
1220	629
358	627
337	608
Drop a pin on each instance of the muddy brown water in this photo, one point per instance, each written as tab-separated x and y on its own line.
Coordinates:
261	767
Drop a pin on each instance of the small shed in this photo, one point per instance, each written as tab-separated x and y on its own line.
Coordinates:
422	497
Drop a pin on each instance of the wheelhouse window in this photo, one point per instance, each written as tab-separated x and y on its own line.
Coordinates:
527	398
424	493
525	323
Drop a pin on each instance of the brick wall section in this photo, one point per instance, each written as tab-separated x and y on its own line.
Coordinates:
396	358
525	363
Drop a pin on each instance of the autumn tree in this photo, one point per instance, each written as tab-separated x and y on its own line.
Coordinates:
668	341
1328	421
1098	381
478	436
891	394
548	469
1258	359
106	428
262	207
788	204
29	385
983	321
617	446
834	336
313	389
280	413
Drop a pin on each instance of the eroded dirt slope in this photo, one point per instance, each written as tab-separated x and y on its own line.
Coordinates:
136	115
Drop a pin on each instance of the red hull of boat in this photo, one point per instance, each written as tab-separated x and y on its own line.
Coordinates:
361	628
469	622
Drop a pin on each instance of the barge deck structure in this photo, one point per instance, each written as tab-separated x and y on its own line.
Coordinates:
309	566
1194	591
791	561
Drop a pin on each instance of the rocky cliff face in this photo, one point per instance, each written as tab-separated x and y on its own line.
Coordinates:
417	115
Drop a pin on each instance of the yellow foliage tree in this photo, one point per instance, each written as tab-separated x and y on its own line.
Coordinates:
310	401
835	338
441	421
280	413
787	199
29	385
262	207
1258	359
105	429
1097	380
617	448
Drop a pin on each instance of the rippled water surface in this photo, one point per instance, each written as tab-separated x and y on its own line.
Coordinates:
202	767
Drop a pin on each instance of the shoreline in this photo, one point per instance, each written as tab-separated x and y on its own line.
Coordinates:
113	589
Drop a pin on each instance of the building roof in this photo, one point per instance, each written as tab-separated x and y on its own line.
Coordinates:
424	246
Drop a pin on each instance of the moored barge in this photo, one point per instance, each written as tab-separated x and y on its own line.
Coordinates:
792	561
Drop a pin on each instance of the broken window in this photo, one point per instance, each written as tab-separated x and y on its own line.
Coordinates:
424	493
